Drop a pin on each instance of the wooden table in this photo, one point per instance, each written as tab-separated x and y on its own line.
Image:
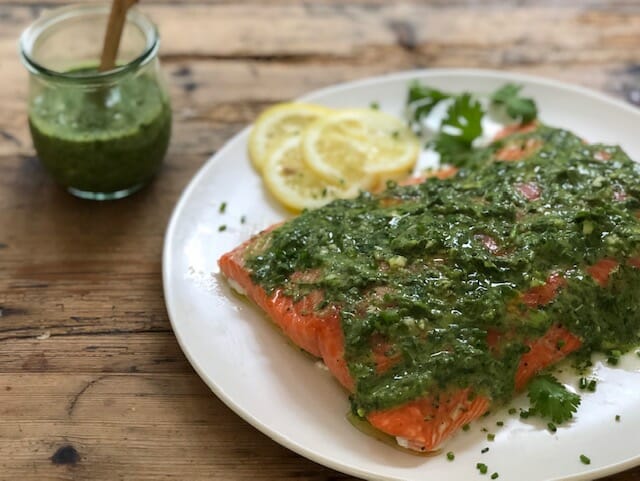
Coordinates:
93	385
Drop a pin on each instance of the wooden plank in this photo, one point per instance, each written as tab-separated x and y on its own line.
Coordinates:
146	352
347	30
133	427
609	4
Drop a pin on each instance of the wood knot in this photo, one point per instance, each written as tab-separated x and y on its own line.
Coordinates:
66	454
405	34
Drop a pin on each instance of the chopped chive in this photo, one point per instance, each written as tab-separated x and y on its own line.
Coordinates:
584	459
466	427
491	437
552	427
451	456
395	134
484	430
614	357
617	417
222	228
222	208
495	476
243	219
512	410
588	384
524	414
482	468
374	106
499	423
484	450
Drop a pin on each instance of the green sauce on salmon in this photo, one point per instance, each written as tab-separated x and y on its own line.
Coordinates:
426	275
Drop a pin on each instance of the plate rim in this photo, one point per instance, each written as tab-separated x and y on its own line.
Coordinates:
170	236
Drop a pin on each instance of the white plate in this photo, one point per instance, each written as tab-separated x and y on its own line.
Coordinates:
281	391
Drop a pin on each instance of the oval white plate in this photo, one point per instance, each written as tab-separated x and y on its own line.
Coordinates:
283	393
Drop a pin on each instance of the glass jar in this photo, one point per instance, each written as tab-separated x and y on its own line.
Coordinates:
102	135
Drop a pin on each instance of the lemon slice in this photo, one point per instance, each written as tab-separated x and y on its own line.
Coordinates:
277	124
351	143
294	184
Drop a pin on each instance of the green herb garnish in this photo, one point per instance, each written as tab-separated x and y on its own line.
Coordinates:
587	384
462	122
614	357
421	101
451	456
551	399
482	468
584	459
517	107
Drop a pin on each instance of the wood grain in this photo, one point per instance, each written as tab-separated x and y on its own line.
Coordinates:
92	382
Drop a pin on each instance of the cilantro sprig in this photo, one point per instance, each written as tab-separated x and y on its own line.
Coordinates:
462	123
516	106
551	400
421	100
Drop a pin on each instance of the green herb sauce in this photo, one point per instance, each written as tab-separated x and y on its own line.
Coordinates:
412	266
102	141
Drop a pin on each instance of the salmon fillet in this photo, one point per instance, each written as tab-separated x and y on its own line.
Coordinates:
421	424
424	423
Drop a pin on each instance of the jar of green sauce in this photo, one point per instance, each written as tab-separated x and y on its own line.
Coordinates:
102	135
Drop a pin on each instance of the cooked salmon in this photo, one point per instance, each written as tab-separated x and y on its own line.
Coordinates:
421	424
424	423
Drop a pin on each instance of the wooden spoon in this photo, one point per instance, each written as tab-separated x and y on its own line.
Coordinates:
114	32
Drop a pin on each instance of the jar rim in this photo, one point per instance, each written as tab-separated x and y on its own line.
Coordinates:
50	18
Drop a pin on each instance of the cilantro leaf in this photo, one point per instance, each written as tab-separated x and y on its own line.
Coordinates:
459	128
551	399
517	107
421	100
450	147
457	153
464	115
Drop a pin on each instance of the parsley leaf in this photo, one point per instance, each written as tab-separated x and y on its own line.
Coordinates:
421	100
551	399
517	107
